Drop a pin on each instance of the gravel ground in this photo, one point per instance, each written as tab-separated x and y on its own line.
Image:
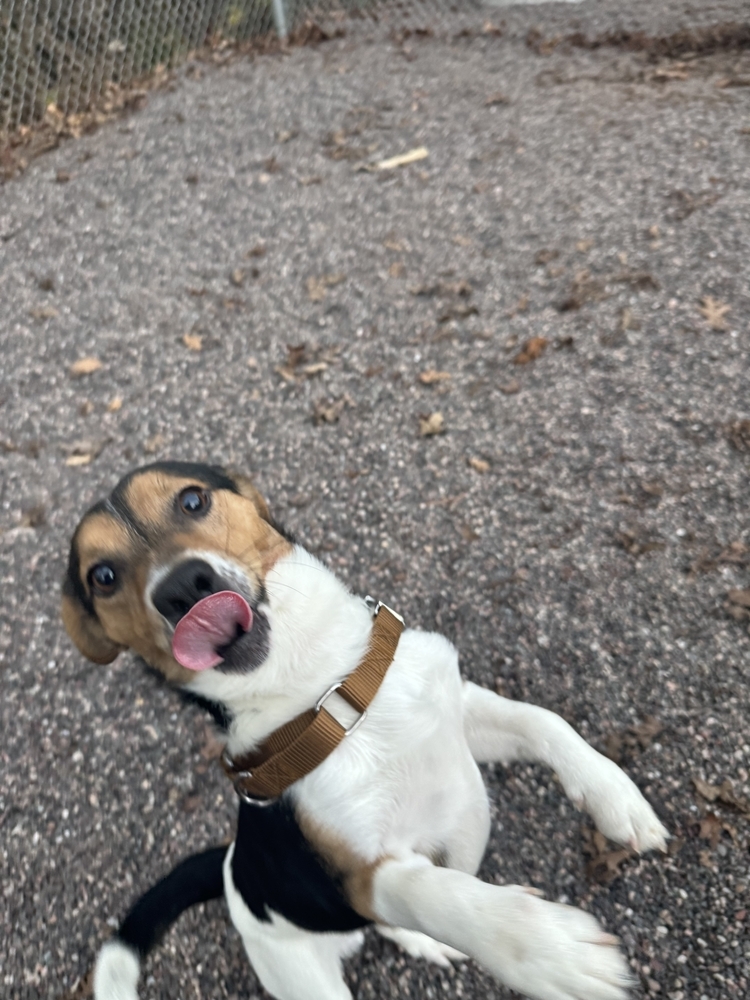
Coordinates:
578	529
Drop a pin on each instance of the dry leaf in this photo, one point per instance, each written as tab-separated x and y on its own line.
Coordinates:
114	404
432	424
510	388
84	452
63	176
317	287
738	434
545	256
193	341
328	411
258	250
496	98
403	159
431	376
714	312
633	738
531	350
85	366
712	827
479	465
43	312
723	793
153	444
604	866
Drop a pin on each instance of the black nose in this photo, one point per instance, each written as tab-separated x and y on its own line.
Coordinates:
188	583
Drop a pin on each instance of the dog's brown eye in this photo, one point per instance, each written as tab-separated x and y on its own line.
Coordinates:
193	500
102	578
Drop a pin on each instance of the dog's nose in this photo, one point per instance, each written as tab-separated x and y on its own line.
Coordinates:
188	583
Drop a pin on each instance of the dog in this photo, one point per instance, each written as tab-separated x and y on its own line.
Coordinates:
183	564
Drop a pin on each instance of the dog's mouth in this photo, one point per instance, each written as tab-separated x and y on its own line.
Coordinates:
206	634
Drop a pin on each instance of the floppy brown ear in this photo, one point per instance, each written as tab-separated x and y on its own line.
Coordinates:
85	629
247	490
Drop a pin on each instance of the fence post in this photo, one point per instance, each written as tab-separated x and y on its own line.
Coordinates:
279	19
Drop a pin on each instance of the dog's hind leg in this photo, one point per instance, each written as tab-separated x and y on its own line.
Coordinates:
195	880
498	729
291	963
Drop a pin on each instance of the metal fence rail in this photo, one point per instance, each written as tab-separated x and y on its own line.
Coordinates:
65	52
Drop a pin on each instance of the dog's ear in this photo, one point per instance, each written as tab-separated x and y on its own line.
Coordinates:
84	628
247	490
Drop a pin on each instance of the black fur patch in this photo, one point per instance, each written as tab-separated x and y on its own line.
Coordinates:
195	880
275	868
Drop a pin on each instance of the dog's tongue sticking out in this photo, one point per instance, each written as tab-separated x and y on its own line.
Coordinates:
210	624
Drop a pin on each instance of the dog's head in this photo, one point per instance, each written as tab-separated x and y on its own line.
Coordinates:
172	565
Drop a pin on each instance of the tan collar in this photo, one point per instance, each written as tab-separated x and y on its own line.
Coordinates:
299	746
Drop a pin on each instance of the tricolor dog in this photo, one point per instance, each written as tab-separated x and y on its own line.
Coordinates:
353	744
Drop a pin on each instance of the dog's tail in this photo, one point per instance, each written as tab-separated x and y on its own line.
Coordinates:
195	880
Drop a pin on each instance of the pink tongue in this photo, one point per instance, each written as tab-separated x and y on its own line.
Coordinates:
209	625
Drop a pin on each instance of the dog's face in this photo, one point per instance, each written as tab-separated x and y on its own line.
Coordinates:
173	566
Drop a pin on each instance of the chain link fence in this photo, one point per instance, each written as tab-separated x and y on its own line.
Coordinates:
65	53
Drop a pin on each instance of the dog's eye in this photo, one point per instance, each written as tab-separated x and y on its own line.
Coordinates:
193	500
102	578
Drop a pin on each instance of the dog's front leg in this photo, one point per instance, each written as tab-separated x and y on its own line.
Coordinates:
498	729
545	950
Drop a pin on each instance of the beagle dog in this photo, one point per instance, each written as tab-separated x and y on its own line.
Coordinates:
183	564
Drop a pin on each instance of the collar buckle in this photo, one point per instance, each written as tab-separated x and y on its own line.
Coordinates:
322	700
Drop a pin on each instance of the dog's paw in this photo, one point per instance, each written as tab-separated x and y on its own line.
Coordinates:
421	946
555	952
619	809
116	972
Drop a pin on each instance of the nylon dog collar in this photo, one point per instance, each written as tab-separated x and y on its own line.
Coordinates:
299	746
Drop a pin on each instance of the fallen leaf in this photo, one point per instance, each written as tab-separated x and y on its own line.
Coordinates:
497	98
403	159
531	350
714	312
584	289
510	388
712	828
317	287
605	864
63	176
724	792
154	444
479	465
431	376
545	256
85	366
43	312
632	739
193	341
259	250
34	517
738	434
521	306
328	411
114	404
84	452
432	424
637	541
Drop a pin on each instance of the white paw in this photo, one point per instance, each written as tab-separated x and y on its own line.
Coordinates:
617	807
116	972
555	952
421	946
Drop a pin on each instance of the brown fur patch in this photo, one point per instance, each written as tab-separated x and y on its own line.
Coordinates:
234	527
355	874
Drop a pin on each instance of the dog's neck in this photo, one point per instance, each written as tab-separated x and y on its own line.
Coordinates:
318	634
